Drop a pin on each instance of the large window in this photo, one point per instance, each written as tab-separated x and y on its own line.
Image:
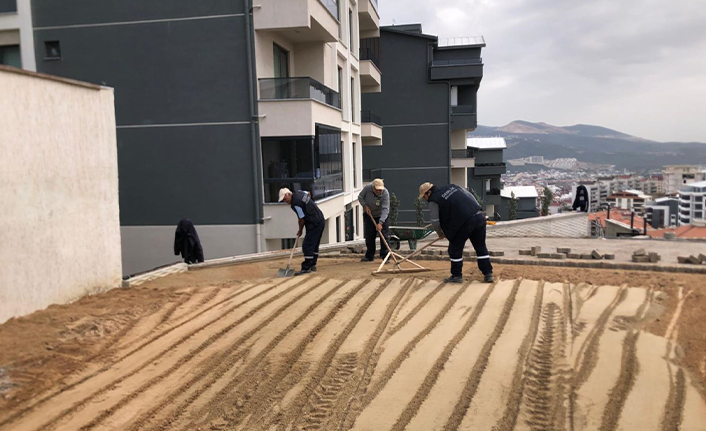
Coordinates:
10	55
7	6
308	163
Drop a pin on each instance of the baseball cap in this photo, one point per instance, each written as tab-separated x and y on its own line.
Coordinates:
378	184
283	191
424	188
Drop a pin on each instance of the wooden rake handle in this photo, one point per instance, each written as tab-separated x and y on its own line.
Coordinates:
291	254
382	238
416	252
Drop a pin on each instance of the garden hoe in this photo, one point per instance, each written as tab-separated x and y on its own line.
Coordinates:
286	272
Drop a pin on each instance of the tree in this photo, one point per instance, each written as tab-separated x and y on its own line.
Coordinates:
513	206
419	206
547	198
394	209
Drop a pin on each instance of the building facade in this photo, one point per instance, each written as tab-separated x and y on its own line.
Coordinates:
484	177
16	35
427	107
527	202
218	105
692	198
628	200
662	213
676	176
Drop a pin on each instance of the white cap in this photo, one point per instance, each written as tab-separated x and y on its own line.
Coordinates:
378	184
282	192
423	189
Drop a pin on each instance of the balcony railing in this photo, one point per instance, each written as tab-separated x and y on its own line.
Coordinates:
456	62
332	6
463	110
8	6
370	117
375	3
319	188
462	154
298	88
369	54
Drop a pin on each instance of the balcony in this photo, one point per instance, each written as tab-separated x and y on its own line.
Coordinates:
463	117
371	129
293	106
368	18
462	158
299	20
445	70
370	77
488	169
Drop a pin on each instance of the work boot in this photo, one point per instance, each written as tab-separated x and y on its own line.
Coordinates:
454	279
367	259
303	271
488	278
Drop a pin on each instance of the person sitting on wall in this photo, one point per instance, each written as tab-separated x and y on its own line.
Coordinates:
187	242
311	217
376	200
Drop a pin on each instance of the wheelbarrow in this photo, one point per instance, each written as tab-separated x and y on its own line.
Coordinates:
410	234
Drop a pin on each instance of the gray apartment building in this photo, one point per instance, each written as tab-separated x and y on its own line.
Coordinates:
427	107
218	105
484	177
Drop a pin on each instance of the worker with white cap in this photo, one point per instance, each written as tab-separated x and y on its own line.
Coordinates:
375	199
311	217
456	215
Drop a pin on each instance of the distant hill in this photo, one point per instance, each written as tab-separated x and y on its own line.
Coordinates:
592	144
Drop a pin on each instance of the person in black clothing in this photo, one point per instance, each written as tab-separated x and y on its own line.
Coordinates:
582	199
456	215
187	242
311	217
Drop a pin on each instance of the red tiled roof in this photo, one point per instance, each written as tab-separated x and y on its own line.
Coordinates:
619	216
681	232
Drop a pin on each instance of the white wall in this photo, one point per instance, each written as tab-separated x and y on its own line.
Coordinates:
573	225
59	218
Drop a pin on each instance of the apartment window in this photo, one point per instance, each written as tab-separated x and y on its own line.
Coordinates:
281	61
487	185
7	6
340	86
52	50
353	111
287	243
314	164
10	56
355	169
350	30
454	95
338	229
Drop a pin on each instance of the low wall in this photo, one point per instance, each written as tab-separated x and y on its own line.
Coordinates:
573	225
59	218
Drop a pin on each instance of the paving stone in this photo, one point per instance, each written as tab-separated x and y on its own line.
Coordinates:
525	252
563	250
702	257
670	235
640	252
654	257
641	259
694	260
535	250
596	255
574	255
468	254
609	256
587	256
558	256
682	259
544	255
496	253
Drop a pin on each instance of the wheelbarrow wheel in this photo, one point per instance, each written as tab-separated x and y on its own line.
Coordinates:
394	243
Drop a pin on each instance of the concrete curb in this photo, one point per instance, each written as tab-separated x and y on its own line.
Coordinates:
157	273
594	264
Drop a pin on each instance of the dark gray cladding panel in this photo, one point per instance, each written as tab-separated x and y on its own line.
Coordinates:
203	173
8	6
409	146
47	13
164	73
407	97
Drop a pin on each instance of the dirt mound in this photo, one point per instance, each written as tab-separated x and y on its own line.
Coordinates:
333	353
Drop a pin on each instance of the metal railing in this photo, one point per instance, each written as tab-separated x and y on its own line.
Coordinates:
457	62
368	116
463	110
462	154
369	54
298	88
332	6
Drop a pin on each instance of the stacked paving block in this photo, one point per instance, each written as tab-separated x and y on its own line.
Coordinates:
525	252
642	256
692	260
496	253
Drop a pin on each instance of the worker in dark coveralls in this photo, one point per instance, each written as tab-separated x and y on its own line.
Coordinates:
456	215
187	242
376	200
311	217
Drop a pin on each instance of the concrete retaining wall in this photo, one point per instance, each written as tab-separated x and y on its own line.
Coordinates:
574	225
59	220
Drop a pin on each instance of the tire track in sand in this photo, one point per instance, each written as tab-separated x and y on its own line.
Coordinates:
629	367
393	330
221	359
115	383
41	401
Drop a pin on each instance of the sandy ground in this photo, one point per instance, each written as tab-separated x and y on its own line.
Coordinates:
234	348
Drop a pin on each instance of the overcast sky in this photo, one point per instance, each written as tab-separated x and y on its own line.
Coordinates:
635	66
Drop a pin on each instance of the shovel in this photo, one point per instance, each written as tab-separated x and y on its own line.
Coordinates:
286	272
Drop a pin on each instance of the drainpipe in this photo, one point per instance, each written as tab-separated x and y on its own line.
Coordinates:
254	125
